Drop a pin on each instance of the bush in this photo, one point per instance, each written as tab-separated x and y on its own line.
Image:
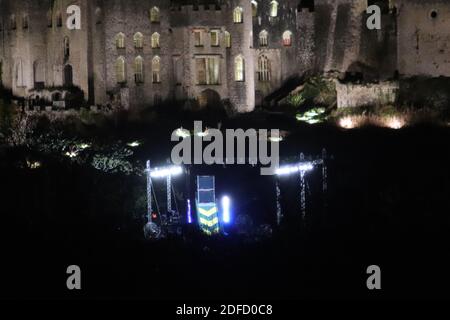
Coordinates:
317	91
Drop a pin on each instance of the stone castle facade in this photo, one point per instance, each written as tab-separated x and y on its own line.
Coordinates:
143	52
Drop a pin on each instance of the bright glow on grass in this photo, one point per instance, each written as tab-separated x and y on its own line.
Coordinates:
347	123
395	123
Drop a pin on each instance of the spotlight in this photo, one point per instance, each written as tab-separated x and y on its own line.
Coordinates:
226	212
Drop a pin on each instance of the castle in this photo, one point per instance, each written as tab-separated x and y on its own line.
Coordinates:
141	53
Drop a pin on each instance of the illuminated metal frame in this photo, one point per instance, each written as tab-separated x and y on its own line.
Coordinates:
301	168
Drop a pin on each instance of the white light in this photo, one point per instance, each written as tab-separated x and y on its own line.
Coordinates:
84	146
276	139
34	165
134	144
182	133
287	170
305	167
226	214
203	134
395	123
347	123
165	172
71	154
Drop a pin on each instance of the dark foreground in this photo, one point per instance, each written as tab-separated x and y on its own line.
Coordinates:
388	205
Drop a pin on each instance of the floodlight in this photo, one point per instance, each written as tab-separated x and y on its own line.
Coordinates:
226	212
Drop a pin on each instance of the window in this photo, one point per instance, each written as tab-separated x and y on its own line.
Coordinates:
254	8
120	41
274	9
59	19
25	21
155	40
139	70
239	68
238	16
157	99
120	70
138	40
13	22
198	38
154	15
66	45
263	68
287	39
214	38
20	81
208	71
263	38
227	39
156	70
98	16
49	19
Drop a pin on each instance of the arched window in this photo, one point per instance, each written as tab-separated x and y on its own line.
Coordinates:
263	38
154	15
263	68
227	39
13	22
239	68
68	76
214	37
25	21
287	38
98	16
49	19
156	70
120	41
120	70
138	40
38	74
66	45
238	15
254	8
1	72
274	8
19	76
59	19
155	40
139	70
